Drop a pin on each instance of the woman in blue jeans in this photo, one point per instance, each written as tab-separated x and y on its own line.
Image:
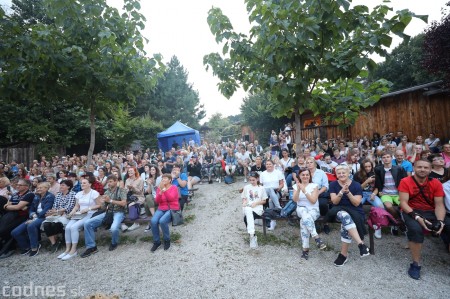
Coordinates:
27	234
366	177
167	199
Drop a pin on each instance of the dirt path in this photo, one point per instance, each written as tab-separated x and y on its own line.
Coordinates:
213	260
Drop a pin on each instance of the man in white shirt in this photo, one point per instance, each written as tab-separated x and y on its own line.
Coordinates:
243	159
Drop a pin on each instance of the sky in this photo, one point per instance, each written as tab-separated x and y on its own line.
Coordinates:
179	27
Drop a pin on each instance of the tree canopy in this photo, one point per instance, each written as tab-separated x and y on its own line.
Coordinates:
295	45
173	99
403	66
436	48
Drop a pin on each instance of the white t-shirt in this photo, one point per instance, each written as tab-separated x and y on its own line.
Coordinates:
287	163
245	157
271	179
252	194
86	200
303	201
327	167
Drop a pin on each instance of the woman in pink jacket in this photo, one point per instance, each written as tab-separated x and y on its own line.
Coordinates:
167	199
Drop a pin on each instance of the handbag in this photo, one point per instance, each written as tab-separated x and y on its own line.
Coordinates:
176	215
133	211
109	216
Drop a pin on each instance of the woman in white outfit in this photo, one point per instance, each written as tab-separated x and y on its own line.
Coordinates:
253	198
306	195
85	206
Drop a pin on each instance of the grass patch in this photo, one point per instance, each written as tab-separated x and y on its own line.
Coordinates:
175	237
272	239
146	239
189	219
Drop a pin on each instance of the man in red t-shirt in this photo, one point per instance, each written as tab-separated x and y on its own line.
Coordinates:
422	204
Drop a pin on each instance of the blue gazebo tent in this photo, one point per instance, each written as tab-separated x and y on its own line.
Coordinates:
177	133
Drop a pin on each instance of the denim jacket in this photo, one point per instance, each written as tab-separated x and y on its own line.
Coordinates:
46	203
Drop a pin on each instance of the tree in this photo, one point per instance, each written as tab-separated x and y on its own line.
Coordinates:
403	67
436	48
90	55
294	45
256	111
173	99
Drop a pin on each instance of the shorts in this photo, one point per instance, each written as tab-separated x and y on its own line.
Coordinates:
393	199
195	179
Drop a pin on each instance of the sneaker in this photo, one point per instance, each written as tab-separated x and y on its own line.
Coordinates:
320	244
62	255
25	251
305	254
414	271
124	227
245	180
148	228
217	179
253	242
54	248
220	180
273	224
394	230
112	247
155	246
35	252
363	250
166	245
89	251
341	260
7	254
326	229
377	233
69	256
134	226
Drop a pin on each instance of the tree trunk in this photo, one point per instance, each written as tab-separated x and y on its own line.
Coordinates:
298	132
92	125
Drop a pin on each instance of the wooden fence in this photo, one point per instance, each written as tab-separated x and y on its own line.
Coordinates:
21	153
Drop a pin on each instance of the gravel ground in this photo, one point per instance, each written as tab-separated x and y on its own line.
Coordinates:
212	259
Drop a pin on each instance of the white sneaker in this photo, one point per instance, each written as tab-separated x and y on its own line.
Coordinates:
245	180
220	180
69	256
134	226
253	242
124	227
377	233
217	179
273	224
62	255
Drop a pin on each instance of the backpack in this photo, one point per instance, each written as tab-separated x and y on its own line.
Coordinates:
379	218
228	179
272	213
288	209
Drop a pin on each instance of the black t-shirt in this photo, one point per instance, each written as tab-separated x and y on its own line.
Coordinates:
258	169
438	176
16	198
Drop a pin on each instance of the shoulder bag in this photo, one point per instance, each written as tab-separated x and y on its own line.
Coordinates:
177	216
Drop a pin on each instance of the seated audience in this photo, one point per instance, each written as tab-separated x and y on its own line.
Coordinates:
423	209
27	234
56	217
306	195
346	196
253	198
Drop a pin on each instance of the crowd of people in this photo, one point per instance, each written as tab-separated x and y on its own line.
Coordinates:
332	178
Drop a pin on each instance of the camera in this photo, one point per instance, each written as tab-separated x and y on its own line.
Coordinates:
435	225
